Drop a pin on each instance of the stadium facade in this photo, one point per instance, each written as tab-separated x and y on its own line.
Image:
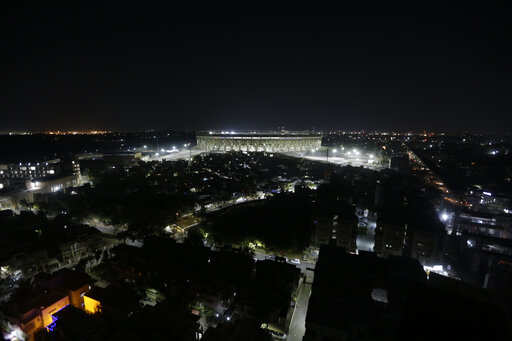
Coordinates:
258	141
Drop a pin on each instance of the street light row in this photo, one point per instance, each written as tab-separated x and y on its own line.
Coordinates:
353	152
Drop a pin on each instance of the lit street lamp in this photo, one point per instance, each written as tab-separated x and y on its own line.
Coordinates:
444	216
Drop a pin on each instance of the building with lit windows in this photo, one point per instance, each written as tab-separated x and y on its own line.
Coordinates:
258	141
30	170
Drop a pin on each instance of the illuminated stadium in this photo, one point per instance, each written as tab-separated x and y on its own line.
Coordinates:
258	141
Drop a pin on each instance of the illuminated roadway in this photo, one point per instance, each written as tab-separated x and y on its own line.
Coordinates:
342	161
298	323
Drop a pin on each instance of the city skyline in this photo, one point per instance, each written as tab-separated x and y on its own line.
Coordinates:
213	175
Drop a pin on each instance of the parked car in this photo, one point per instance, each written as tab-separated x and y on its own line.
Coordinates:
277	335
294	261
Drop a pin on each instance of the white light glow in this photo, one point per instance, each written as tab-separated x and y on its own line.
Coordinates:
14	333
439	269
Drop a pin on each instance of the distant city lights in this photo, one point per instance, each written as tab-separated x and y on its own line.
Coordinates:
74	132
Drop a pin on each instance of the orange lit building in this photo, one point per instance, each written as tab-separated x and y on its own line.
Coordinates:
32	311
113	300
91	305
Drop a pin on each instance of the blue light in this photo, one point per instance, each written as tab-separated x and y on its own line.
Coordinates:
52	325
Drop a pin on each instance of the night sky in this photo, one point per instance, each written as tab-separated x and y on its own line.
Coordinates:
133	68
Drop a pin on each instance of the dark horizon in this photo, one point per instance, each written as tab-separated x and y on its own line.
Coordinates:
121	68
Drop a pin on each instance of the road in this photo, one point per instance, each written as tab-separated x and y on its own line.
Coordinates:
303	266
365	240
298	323
229	204
342	161
183	154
